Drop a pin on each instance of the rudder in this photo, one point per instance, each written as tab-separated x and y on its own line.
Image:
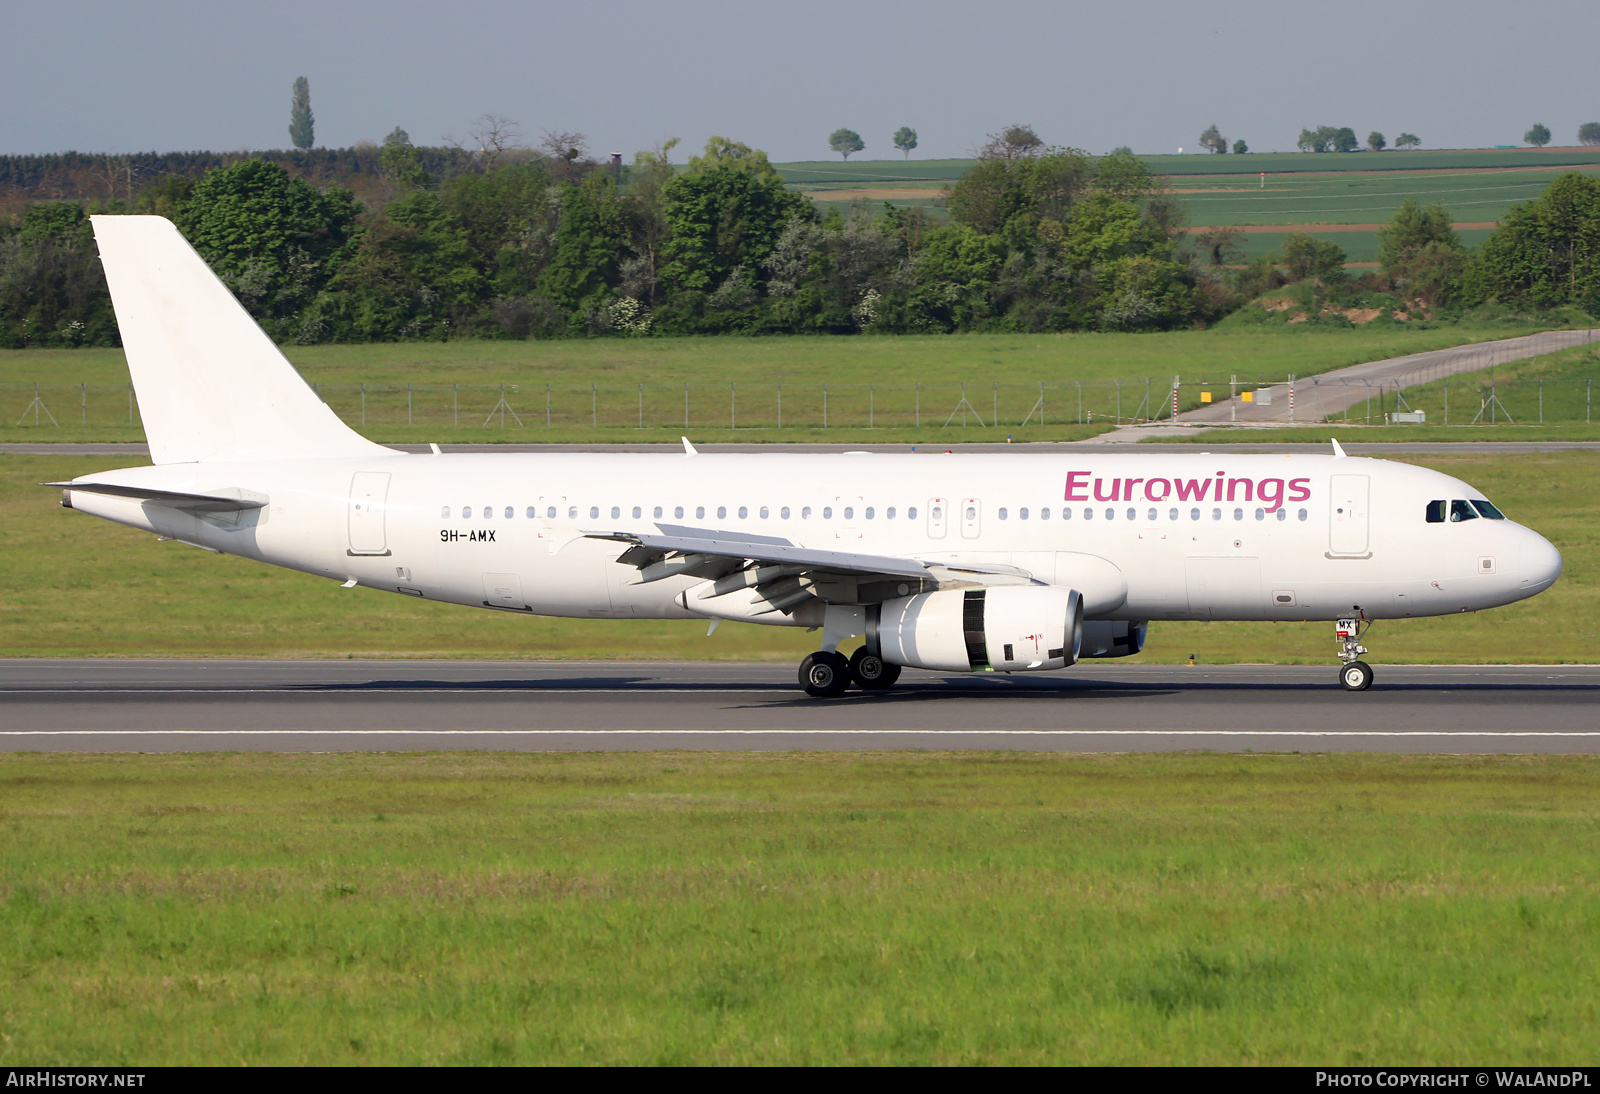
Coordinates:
211	384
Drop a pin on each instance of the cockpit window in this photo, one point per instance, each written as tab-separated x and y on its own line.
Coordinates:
1461	510
1487	509
1436	512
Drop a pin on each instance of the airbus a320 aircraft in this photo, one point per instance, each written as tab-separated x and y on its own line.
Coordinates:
956	563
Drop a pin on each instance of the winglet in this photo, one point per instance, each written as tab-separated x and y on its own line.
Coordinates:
689	449
1337	451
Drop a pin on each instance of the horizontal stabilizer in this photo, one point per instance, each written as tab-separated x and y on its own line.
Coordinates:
229	501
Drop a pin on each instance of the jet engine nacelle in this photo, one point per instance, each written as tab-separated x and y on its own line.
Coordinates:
1115	638
1012	628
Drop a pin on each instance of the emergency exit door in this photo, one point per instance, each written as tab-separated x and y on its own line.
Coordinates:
369	494
1348	534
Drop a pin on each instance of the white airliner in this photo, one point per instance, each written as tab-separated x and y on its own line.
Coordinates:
956	563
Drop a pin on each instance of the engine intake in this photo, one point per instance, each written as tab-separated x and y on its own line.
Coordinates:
1009	629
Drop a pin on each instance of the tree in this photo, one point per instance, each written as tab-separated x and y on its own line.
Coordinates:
1121	150
905	139
1546	252
1408	140
1240	148
1376	141
845	141
1420	252
724	216
301	124
1013	143
1315	140
1538	136
400	161
1305	256
1213	141
1344	140
1589	133
721	152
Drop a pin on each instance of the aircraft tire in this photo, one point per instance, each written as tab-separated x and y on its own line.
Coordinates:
872	673
824	675
1356	676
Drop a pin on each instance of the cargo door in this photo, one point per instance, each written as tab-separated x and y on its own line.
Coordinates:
1224	588
503	591
369	494
1348	533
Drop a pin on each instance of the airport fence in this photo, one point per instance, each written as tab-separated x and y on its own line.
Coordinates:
944	407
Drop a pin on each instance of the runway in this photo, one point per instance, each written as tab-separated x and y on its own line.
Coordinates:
331	706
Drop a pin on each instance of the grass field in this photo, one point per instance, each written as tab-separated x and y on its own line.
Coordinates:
912	908
733	384
77	586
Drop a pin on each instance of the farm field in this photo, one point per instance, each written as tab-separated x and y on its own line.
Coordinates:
1300	189
725	908
80	587
622	390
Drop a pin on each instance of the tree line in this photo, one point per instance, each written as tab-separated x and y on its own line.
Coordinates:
501	241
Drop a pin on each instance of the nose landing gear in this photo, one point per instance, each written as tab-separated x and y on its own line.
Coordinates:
1354	673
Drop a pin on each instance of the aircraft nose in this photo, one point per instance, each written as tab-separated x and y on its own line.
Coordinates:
1539	562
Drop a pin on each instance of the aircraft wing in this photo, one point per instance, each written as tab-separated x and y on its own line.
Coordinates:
230	501
785	575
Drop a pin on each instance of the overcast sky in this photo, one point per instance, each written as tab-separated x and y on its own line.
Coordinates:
120	77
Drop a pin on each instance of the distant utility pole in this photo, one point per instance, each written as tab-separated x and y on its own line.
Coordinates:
300	121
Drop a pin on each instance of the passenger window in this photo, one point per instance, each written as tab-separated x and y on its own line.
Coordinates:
1088	513
637	512
551	513
763	512
677	513
533	512
1194	514
1261	514
784	512
1172	514
1216	514
1487	510
827	512
1001	514
805	512
700	512
744	512
466	512
1435	512
1022	514
888	514
1283	514
722	512
1044	512
445	512
488	512
1066	512
937	513
658	512
869	512
510	512
1302	514
616	512
972	512
594	512
849	512
1238	514
1133	514
572	513
1460	510
911	513
1152	514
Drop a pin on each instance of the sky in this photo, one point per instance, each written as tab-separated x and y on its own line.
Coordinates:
99	76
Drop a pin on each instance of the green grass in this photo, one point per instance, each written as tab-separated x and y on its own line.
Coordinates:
492	908
595	392
77	586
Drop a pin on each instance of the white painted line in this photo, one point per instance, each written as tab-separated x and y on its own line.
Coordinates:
790	732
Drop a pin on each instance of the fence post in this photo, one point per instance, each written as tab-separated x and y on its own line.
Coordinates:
594	406
780	406
1588	392
919	404
547	406
455	402
824	406
1291	397
641	407
1541	402
1233	398
733	406
1079	385
84	408
994	413
409	402
363	404
686	406
872	406
1119	400
1447	400
130	404
1175	398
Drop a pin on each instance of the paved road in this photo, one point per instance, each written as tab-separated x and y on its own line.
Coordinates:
1331	392
159	706
130	452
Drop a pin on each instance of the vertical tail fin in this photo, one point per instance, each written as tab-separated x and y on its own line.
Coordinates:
211	384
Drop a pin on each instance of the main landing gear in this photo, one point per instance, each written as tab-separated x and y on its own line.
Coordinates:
1354	673
826	674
